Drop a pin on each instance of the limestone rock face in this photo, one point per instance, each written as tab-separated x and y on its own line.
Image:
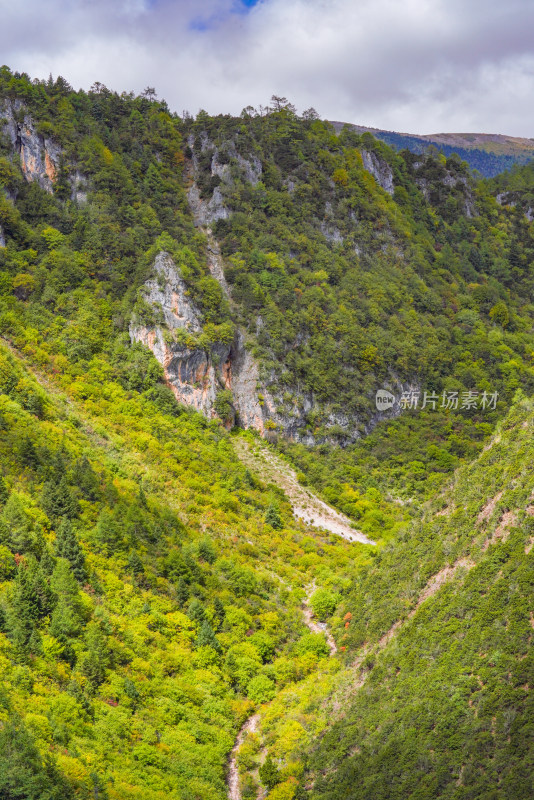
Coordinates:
196	374
379	169
222	166
39	156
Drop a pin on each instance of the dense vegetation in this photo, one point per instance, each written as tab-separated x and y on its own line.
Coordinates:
486	163
347	289
151	587
446	709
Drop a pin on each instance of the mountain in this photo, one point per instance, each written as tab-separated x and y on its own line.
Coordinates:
487	153
265	461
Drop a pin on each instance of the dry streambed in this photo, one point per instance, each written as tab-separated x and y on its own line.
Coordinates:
306	505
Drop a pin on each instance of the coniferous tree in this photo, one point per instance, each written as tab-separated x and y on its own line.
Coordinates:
23	774
269	773
27	453
86	480
67	546
4	492
196	611
182	592
97	658
57	499
219	612
23	611
206	637
273	518
135	564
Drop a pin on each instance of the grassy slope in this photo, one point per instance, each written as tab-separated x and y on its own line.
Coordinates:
445	707
161	717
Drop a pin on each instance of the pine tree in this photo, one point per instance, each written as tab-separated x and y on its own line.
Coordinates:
206	637
23	612
182	592
196	611
219	612
97	658
135	564
22	771
57	499
67	546
269	773
27	453
86	480
4	492
273	518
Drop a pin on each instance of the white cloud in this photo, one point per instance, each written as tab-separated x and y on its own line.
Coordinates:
412	65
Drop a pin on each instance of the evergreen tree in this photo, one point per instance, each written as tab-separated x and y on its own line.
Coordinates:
86	480
23	611
182	592
206	637
135	564
67	546
57	499
219	612
97	658
273	518
269	773
23	774
27	453
206	551
4	492
196	611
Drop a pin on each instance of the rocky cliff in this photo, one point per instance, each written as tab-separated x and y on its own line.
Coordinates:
197	372
39	156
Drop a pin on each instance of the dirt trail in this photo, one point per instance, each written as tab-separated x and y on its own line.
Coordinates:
306	505
234	792
251	724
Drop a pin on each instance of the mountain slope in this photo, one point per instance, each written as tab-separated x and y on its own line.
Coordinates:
162	279
488	153
434	699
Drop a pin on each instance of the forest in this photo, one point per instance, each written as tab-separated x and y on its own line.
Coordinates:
155	592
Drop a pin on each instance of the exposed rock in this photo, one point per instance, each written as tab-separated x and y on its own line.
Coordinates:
168	291
332	233
2	238
511	199
195	374
207	211
39	157
215	264
379	169
79	187
244	382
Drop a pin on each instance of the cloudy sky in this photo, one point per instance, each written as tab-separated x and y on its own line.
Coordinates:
420	66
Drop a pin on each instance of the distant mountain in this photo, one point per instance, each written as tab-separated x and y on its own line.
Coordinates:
488	153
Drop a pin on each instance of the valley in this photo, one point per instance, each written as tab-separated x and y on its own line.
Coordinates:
223	571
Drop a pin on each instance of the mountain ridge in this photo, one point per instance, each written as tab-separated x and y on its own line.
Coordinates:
488	153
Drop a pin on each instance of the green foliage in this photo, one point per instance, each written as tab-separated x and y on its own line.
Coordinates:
269	773
323	603
150	588
273	518
23	773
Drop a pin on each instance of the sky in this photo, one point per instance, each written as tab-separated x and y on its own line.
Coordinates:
416	66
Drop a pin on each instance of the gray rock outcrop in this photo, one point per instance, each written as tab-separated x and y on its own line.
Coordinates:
196	374
379	169
39	156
